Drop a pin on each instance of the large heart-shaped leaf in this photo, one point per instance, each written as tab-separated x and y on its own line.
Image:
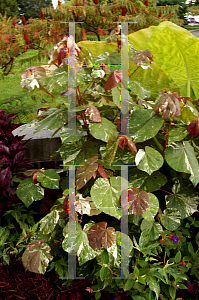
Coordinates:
85	171
149	160
101	237
28	192
49	179
185	199
188	113
138	201
81	244
170	219
181	66
106	195
181	157
139	89
37	257
145	182
144	124
102	131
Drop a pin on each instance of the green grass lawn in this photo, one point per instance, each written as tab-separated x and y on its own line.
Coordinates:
14	98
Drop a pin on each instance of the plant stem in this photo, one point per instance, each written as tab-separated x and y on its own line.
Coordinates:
167	138
134	71
46	91
158	145
56	243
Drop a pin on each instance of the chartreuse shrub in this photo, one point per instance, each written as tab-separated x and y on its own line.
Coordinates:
157	139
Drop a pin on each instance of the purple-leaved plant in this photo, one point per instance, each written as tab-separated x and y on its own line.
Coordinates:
12	155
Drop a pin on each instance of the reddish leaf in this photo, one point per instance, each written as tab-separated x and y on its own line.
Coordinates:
13	23
122	126
160	14
85	171
4	148
42	15
138	201
96	1
37	257
121	142
113	80
26	37
193	128
168	104
23	20
95	174
191	287
99	237
93	114
142	57
102	172
124	10
131	146
67	204
146	3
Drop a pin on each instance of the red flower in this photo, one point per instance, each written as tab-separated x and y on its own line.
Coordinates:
26	37
163	241
23	20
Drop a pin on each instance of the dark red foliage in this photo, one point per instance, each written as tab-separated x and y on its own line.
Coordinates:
160	14
23	20
146	3
121	142
101	171
96	1
13	23
26	37
191	287
193	128
12	156
42	15
124	10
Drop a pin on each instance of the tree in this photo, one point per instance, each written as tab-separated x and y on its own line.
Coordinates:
182	6
32	8
9	7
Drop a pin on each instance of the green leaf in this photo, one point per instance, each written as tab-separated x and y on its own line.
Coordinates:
153	284
37	257
103	273
171	219
49	222
144	124
50	179
85	171
177	275
28	192
197	238
111	147
106	195
136	271
178	257
60	75
181	66
177	134
181	157
145	182
82	246
141	280
185	199
105	257
153	208
56	120
129	284
67	137
190	248
116	96
96	48
188	113
97	295
149	160
172	291
102	131
139	89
